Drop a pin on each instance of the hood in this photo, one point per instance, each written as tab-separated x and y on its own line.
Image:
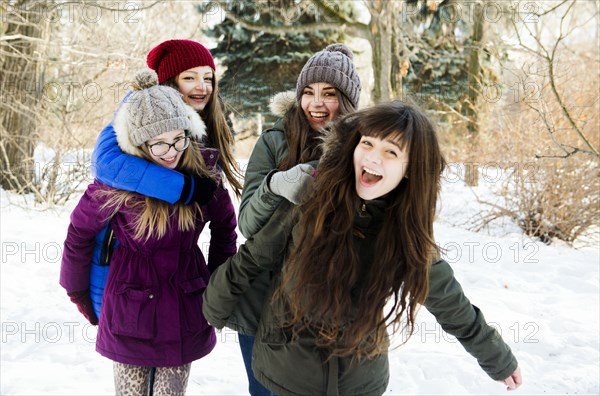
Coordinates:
331	145
197	130
282	103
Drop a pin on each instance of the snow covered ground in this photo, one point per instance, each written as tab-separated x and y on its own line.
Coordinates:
543	299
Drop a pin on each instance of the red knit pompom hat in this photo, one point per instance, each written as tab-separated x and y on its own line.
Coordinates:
172	57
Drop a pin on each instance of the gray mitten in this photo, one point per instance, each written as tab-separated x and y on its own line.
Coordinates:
294	183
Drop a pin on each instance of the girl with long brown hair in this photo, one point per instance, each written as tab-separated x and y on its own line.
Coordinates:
282	159
359	259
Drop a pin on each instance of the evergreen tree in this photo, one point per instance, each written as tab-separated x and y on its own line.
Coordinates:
258	64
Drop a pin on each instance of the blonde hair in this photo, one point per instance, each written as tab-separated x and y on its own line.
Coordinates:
153	215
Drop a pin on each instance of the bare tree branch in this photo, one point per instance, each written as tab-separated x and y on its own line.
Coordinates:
550	60
553	8
453	111
356	29
567	155
330	11
96	4
63	47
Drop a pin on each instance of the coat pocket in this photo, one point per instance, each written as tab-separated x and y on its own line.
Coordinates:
275	352
273	335
134	313
193	289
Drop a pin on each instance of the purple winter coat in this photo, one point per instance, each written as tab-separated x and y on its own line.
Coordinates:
152	304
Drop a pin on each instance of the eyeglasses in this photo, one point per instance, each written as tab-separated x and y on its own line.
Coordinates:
162	148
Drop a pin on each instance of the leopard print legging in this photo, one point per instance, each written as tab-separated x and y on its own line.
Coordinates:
133	380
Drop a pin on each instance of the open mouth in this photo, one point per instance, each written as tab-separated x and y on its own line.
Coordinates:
169	160
370	177
318	116
199	98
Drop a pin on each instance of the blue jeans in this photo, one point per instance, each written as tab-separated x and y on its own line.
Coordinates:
255	387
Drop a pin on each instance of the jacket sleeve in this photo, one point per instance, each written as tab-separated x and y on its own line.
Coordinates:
87	220
458	317
258	203
223	238
130	173
264	251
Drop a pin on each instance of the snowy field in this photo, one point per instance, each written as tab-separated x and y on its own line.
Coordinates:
543	299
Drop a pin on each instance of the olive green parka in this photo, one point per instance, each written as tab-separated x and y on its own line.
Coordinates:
256	207
299	367
258	202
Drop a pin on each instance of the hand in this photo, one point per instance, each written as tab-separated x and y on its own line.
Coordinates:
293	184
199	189
84	305
514	381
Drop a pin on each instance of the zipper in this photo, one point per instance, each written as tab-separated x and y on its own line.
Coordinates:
363	212
108	246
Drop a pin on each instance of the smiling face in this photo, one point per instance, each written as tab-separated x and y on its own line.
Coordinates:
320	104
172	157
379	166
196	85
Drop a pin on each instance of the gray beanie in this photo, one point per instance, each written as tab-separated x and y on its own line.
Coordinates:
333	65
153	109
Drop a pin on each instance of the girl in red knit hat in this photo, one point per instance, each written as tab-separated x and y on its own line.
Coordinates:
189	67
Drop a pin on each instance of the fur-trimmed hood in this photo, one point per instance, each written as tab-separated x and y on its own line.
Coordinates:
282	103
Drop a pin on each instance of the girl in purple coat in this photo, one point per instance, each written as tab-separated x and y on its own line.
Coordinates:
152	305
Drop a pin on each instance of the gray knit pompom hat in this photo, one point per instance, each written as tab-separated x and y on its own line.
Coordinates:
154	109
333	65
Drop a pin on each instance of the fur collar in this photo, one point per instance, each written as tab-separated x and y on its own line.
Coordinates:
197	129
331	145
282	103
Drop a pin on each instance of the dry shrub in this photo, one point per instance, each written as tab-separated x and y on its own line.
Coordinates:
552	198
552	188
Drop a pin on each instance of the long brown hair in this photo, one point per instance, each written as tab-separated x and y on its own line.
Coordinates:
152	215
303	141
329	291
219	134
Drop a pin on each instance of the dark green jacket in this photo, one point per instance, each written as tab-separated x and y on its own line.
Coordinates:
258	203
232	297
299	367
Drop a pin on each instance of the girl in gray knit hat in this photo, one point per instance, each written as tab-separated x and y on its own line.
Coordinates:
150	318
328	86
282	161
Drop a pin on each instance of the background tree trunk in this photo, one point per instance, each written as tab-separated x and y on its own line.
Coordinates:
21	82
471	110
381	30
